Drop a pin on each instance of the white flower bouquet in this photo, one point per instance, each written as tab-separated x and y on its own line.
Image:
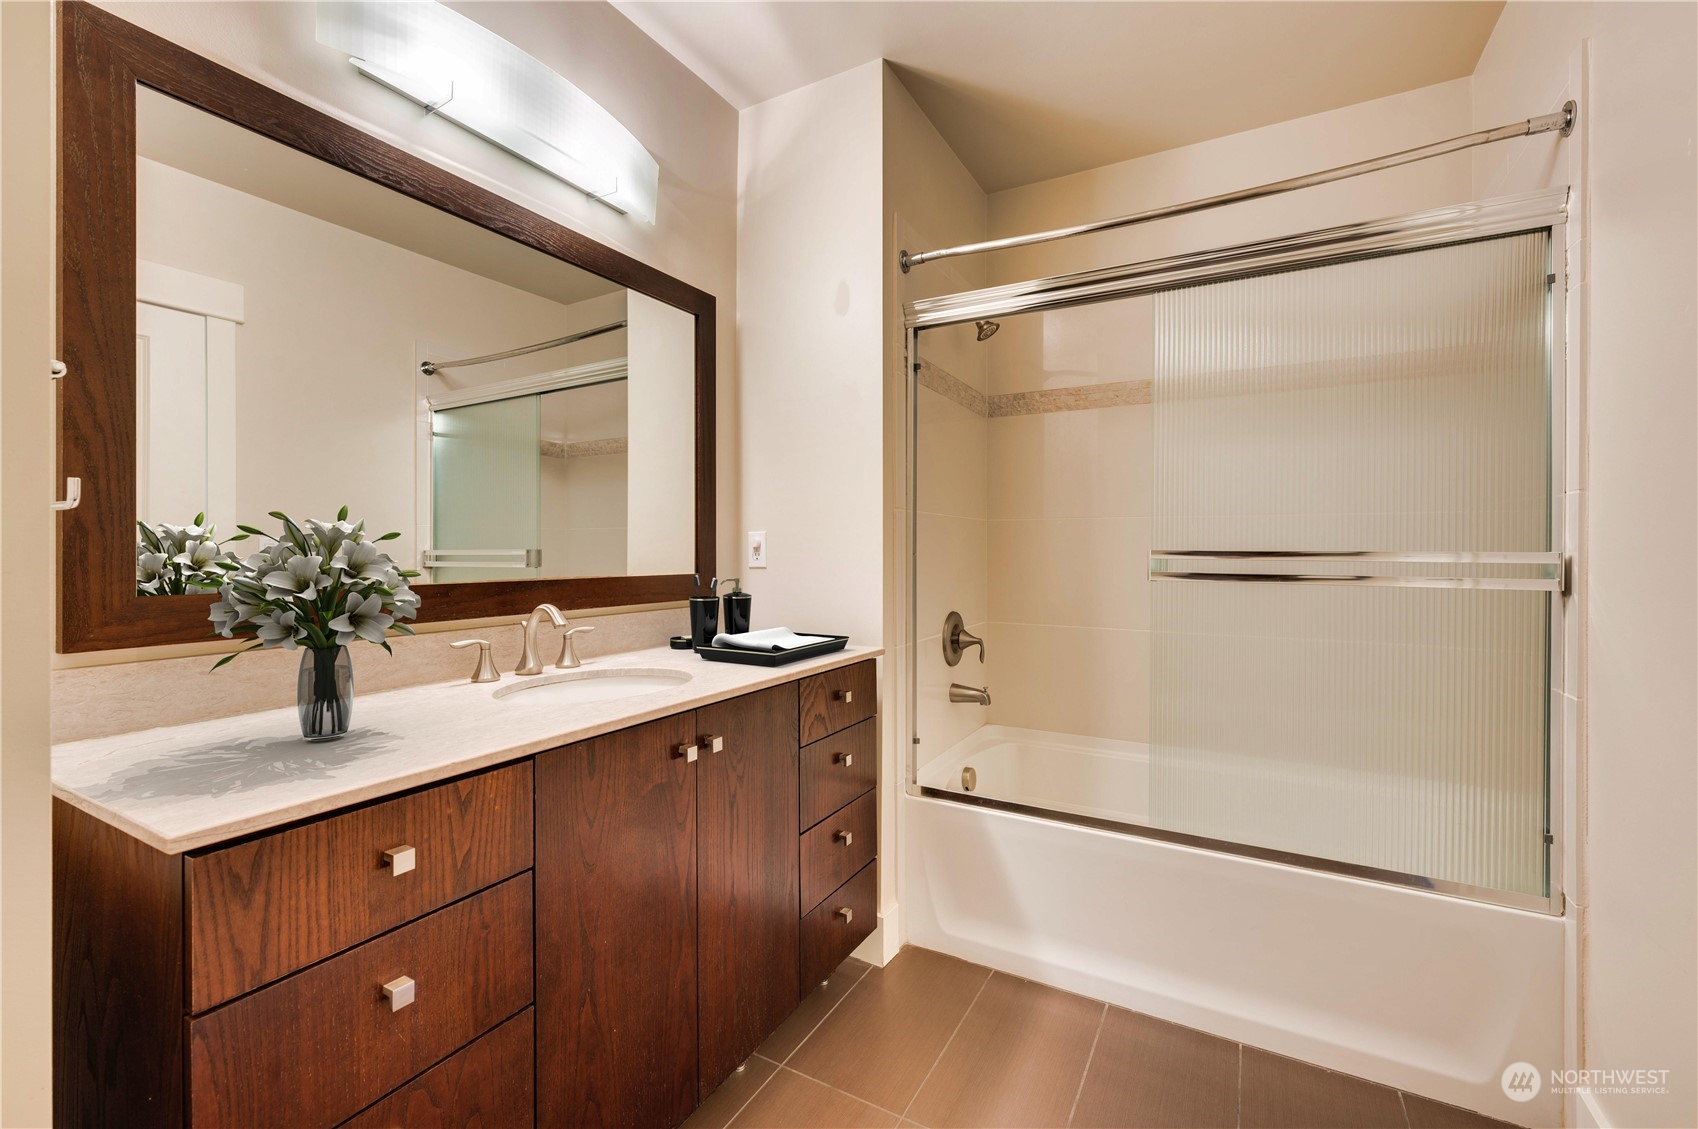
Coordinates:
321	585
176	560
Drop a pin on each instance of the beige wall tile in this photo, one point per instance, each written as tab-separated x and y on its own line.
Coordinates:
1084	681
1100	344
1072	464
952	554
943	723
951	458
1076	572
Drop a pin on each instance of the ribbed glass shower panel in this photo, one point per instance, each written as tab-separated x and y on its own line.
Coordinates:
1397	404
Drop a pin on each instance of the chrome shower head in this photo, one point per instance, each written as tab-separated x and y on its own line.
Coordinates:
987	328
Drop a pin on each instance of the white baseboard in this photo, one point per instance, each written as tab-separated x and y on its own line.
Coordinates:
884	942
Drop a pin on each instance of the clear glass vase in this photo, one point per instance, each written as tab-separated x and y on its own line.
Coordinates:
324	693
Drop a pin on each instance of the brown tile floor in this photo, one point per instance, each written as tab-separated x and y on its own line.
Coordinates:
936	1042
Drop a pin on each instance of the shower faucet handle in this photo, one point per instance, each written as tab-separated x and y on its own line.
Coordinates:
956	639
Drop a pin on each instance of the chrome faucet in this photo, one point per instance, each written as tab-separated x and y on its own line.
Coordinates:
976	695
529	663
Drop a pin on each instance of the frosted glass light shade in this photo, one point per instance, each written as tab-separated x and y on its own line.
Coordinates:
467	74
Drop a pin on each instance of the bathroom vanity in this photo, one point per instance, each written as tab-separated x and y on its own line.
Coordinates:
472	909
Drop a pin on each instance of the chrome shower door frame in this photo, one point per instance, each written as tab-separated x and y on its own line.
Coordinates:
1544	210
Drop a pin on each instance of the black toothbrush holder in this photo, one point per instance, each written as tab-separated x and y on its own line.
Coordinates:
704	620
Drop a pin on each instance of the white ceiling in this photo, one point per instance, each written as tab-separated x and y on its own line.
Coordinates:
1026	90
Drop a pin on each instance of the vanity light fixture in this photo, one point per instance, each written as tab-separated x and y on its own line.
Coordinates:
458	69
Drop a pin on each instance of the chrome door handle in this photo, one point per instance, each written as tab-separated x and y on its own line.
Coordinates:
688	752
399	992
714	744
847	914
847	760
400	859
846	696
845	837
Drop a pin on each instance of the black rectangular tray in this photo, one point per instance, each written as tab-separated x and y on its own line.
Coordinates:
774	658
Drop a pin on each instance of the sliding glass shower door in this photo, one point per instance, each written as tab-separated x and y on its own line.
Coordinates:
1352	564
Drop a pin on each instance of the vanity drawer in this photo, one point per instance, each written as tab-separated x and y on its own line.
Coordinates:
845	919
838	769
263	909
490	1083
837	848
838	699
324	1043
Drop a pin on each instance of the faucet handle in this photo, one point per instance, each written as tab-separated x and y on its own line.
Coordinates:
569	649
486	671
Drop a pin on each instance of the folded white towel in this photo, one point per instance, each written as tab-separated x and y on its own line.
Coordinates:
772	639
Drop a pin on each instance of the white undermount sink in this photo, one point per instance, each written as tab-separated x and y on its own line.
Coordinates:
593	685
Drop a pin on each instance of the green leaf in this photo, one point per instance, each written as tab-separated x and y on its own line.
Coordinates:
342	514
388	536
200	518
384	643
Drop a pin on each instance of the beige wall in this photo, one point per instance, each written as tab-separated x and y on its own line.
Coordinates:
1070	491
26	584
810	305
1633	883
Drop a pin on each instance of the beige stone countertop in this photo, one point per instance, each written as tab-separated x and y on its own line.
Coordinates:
189	786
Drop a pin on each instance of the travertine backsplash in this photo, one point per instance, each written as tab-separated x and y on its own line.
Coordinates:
99	701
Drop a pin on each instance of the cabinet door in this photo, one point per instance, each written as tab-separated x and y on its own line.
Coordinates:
616	929
746	851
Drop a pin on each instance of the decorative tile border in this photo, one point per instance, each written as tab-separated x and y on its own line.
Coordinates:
586	449
1078	398
952	387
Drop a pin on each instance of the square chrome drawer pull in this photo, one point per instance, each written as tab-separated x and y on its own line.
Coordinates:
847	760
400	859
399	992
847	914
846	696
688	752
845	837
714	744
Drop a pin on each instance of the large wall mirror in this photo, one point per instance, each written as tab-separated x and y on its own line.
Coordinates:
264	309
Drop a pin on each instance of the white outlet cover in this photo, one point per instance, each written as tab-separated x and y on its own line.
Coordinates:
757	548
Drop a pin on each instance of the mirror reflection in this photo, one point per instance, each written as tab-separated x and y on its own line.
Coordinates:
306	338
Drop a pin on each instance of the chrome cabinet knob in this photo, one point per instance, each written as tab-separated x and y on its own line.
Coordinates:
688	752
400	859
847	760
847	914
845	837
714	744
399	992
846	696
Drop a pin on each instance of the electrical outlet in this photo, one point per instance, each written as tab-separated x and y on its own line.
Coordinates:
757	548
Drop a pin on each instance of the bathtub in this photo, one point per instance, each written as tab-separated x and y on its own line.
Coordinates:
1428	993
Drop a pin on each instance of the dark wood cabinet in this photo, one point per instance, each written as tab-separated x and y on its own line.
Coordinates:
616	928
594	936
746	815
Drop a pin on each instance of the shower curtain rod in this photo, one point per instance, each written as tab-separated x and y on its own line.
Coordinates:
431	368
1562	121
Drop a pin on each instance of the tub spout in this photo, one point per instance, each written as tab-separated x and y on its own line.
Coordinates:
977	695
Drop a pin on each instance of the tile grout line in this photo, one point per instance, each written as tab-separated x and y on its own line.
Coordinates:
738	1112
1078	1093
835	1090
903	1116
812	1031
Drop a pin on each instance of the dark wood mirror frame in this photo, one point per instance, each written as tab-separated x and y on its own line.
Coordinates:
101	60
